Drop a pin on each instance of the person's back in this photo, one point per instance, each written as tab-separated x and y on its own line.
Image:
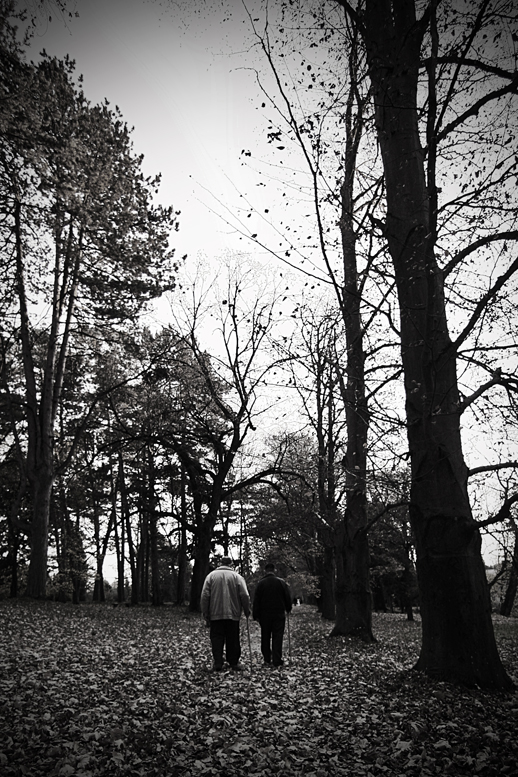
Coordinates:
272	600
224	595
271	596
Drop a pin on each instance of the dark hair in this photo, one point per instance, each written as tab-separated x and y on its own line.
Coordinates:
226	561
269	567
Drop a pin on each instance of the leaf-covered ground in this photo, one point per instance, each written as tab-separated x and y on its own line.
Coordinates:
95	690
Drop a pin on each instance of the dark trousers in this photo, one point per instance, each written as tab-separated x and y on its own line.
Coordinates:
225	634
272	632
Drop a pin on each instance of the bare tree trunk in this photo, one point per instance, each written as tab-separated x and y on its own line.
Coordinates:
14	536
353	594
458	641
506	607
326	574
205	524
37	575
201	562
14	544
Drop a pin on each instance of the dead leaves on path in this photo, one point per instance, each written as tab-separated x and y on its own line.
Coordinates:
95	690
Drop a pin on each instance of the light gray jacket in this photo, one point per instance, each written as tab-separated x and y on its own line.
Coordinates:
224	595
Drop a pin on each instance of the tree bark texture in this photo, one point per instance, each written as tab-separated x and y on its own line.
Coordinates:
325	568
507	605
353	594
201	561
37	575
458	641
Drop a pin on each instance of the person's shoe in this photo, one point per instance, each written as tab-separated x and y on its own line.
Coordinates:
217	667
268	664
236	667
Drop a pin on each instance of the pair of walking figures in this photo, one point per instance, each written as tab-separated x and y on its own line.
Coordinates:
225	596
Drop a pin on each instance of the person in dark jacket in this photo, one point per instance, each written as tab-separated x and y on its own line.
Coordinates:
272	600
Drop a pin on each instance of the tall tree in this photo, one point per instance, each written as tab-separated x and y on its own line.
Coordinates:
463	80
82	242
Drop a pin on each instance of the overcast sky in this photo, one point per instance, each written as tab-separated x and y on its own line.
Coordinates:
176	69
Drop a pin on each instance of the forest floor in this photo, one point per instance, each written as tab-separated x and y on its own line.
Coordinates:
101	690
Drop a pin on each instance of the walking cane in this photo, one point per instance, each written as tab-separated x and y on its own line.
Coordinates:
249	643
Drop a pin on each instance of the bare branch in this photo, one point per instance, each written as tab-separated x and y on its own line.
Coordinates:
493	467
482	303
483	241
502	515
475	108
478	64
495	380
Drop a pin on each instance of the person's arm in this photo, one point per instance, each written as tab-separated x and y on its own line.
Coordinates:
205	599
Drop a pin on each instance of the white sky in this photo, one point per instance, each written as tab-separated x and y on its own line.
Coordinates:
175	70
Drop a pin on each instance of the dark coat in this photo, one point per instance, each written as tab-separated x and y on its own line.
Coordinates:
272	597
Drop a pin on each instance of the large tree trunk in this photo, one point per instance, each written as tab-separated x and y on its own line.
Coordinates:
458	640
201	561
205	532
506	607
353	594
14	537
37	574
326	575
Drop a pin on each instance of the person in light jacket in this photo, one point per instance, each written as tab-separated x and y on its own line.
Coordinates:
272	600
223	597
